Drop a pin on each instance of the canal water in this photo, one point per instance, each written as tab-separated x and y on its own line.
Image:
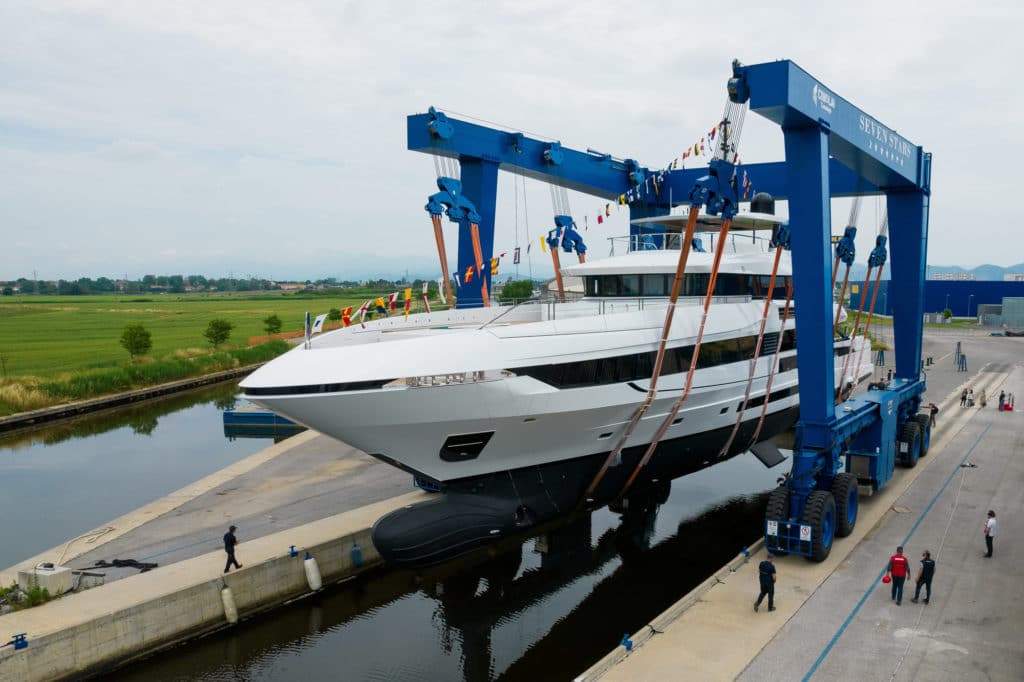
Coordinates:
540	607
543	607
59	481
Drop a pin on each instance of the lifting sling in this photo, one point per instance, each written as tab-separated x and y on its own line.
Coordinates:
670	311
442	254
775	363
757	352
709	296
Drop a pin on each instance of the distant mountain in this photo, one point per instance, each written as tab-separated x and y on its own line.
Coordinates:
981	272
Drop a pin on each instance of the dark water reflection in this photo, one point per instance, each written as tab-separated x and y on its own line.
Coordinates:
62	480
544	607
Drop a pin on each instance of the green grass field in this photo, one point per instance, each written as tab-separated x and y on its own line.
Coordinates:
47	335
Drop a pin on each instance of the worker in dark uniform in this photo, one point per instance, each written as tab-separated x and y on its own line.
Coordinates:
933	410
898	568
229	546
924	577
766	574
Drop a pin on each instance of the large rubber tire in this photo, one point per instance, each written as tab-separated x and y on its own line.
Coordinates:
820	515
924	425
846	495
778	508
911	435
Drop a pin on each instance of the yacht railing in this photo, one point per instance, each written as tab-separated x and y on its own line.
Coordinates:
672	241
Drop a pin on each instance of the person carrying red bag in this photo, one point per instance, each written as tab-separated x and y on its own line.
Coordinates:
898	567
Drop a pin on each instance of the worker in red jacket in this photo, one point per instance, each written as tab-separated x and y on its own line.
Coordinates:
898	568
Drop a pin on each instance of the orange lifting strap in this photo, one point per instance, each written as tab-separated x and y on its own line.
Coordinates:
867	325
443	255
853	335
842	295
723	232
691	226
474	232
558	273
775	363
757	352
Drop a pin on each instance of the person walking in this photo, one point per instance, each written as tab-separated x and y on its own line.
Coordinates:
970	398
982	399
229	546
1002	400
924	577
963	397
898	568
766	575
933	410
990	532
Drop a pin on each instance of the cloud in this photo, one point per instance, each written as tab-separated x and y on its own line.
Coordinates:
271	136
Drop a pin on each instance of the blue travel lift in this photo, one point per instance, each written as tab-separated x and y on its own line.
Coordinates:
833	149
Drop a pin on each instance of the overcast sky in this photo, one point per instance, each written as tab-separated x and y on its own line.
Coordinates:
268	138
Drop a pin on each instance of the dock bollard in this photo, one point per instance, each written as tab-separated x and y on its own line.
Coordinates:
357	555
626	642
313	578
292	552
230	610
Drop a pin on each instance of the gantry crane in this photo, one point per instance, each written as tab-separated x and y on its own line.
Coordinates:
832	149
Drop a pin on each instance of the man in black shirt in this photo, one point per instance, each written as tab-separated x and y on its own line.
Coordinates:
229	546
766	574
924	577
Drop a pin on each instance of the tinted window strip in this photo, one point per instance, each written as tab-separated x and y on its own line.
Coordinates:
318	388
639	366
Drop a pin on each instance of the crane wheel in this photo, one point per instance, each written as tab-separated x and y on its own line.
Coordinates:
924	425
844	492
910	436
820	515
778	508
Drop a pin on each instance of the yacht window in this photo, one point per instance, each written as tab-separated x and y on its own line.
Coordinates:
655	285
593	287
630	285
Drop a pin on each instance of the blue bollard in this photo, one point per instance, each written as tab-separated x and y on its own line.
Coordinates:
357	555
627	642
19	641
292	552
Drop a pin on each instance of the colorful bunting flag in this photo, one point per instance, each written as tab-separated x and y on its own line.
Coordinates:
515	256
494	267
392	298
381	308
544	244
362	314
600	218
426	301
440	291
346	316
469	274
318	324
408	301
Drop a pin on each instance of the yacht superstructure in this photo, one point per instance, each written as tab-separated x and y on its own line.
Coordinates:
511	409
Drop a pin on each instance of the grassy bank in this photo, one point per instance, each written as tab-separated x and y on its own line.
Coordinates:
28	393
46	336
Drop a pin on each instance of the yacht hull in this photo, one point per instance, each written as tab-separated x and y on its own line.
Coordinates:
476	511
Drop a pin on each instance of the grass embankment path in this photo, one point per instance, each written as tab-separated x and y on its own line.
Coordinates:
59	349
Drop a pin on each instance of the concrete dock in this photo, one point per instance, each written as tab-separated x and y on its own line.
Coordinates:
323	496
836	620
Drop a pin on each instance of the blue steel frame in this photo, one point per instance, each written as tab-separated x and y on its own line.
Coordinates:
482	151
820	129
833	149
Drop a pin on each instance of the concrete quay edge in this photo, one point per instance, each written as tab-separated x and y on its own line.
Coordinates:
170	502
113	624
712	612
